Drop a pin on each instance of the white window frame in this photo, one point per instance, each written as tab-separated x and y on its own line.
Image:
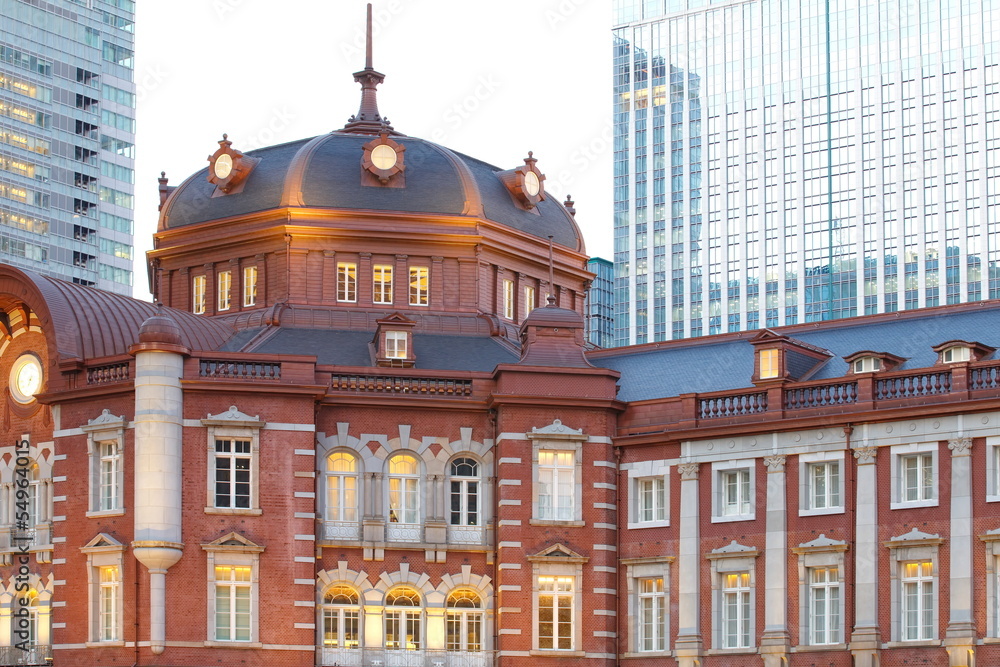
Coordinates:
956	354
224	282
557	437
807	464
637	570
728	560
773	365
899	454
821	553
508	299
640	474
529	299
993	469
340	611
199	286
233	550
913	547
464	618
405	522
828	587
347	282
249	286
420	284
741	612
396	344
109	603
233	425
463	482
556	475
992	543
339	509
566	564
107	430
720	471
920	574
406	614
104	551
382	277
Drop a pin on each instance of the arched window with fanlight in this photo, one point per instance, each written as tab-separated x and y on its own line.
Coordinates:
342	496
465	621
24	629
341	624
465	517
404	498
403	619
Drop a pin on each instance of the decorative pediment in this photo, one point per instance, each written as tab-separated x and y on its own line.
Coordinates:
102	542
733	549
556	431
233	542
104	422
232	417
914	538
557	553
821	543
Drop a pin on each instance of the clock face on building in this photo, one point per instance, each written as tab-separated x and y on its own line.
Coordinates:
383	157
25	378
531	184
223	165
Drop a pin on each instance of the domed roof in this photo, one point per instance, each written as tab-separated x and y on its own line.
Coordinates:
324	172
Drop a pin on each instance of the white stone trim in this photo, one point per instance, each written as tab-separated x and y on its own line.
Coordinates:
897	452
720	467
805	482
642	470
993	469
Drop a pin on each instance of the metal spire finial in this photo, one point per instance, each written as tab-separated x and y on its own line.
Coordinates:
368	120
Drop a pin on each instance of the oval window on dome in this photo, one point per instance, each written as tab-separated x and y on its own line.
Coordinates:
531	184
383	157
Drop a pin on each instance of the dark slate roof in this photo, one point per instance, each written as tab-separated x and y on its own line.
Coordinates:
723	362
350	348
325	172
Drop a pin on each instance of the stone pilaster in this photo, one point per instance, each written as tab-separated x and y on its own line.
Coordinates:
960	637
689	644
774	643
865	638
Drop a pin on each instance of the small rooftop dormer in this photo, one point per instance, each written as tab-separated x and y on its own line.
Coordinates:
780	358
867	361
393	342
959	351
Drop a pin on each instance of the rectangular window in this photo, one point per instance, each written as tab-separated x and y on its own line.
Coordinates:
768	364
652	615
382	283
198	295
225	282
232	603
110	580
250	286
465	631
917	477
395	344
402	630
735	492
508	299
232	474
404	501
824	485
347	282
918	601
555	613
529	300
824	605
110	463
652	499
736	610
556	479
418	285
341	628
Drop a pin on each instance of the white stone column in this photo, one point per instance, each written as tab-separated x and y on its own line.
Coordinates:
865	634
775	641
689	644
960	637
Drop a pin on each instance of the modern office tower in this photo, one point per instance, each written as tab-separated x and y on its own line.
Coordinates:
789	161
67	134
600	303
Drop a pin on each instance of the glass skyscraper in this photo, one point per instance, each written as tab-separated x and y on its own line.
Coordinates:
600	304
788	161
67	134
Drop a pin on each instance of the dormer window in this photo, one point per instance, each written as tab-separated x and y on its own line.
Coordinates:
769	364
867	365
780	358
955	354
961	351
393	344
869	361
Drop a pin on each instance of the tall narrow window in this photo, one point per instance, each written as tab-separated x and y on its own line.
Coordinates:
465	492
652	499
824	480
225	282
418	285
464	621
404	485
395	344
347	282
198	295
109	468
341	487
555	613
232	473
918	601
382	283
824	605
768	364
250	286
341	622
736	610
917	477
403	617
556	477
652	615
110	581
232	603
508	299
34	508
529	300
735	492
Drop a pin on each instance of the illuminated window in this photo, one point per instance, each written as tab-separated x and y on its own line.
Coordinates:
418	285
110	473
824	605
341	622
342	494
529	300
917	610
404	490
464	621
347	282
556	481
652	614
225	282
508	299
403	620
198	296
768	364
109	603
736	610
395	344
382	283
555	613
232	603
249	286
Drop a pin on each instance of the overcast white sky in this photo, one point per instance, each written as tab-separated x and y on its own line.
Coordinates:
491	79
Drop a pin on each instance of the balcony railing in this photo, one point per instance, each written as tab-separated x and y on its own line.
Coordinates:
380	657
36	654
401	385
465	534
821	396
404	532
239	370
341	530
734	405
912	386
107	374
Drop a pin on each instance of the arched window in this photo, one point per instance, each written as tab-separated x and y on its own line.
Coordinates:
465	620
341	487
403	616
25	628
465	493
404	487
341	618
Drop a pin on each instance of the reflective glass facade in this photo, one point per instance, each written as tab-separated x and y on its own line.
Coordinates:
67	139
600	305
787	161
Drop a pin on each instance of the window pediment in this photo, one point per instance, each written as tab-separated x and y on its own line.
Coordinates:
821	543
556	431
233	417
733	550
233	542
101	543
557	553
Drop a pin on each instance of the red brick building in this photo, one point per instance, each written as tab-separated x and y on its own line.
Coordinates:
357	432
